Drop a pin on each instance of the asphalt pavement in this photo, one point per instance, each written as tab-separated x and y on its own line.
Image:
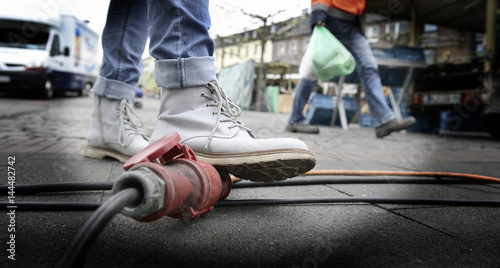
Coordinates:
43	141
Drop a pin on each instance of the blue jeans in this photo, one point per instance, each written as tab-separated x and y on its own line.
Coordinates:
366	66
302	93
179	41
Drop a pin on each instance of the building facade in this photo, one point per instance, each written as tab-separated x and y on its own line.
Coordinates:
288	40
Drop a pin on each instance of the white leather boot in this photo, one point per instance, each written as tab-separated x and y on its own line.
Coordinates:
113	131
207	120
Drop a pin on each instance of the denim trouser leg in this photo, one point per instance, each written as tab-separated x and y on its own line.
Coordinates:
302	93
180	43
367	68
123	40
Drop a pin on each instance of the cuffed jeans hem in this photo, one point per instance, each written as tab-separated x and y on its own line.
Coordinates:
184	72
114	89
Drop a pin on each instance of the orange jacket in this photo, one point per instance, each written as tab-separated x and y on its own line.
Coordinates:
352	6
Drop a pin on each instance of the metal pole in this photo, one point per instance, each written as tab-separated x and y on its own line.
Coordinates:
413	26
491	7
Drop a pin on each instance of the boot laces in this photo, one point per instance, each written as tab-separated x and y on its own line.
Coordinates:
129	120
225	107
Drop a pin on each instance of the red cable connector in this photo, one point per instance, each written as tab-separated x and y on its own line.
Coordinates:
173	182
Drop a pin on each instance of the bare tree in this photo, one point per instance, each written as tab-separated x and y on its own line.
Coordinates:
263	34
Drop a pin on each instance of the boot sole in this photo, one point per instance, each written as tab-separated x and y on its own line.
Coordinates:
380	133
101	153
263	166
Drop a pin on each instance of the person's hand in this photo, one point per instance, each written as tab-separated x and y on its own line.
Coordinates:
319	23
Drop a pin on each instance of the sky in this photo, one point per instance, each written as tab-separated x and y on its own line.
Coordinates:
227	17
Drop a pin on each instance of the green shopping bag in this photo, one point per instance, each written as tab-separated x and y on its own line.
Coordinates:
329	57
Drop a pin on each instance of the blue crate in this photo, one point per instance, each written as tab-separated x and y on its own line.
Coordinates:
365	120
384	53
321	110
453	121
415	54
426	122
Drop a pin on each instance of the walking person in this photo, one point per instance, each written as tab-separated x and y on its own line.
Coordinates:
343	19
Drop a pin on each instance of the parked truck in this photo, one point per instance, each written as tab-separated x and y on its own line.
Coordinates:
47	56
450	95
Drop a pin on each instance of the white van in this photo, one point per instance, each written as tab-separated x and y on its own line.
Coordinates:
46	56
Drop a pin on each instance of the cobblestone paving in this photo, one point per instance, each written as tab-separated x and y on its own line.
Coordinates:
47	139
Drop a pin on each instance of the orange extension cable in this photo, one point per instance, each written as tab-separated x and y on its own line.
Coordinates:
400	173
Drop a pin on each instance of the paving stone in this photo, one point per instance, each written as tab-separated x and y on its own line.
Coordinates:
48	146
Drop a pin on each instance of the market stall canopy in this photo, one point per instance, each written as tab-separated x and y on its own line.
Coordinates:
459	14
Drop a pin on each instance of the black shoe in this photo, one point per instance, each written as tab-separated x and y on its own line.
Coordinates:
302	128
394	125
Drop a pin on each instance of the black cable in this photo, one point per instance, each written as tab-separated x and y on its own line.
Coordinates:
348	180
26	189
371	200
83	206
51	206
75	253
